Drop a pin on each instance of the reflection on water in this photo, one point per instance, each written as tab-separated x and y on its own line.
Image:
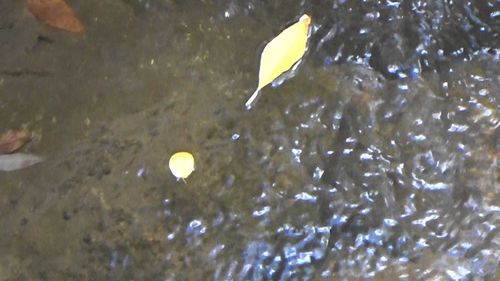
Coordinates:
356	180
379	159
404	38
362	174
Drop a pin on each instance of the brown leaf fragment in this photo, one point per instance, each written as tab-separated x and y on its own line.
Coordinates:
56	13
12	140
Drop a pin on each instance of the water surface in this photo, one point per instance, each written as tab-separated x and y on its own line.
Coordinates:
377	160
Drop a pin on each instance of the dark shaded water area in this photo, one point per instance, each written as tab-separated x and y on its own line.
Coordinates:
378	160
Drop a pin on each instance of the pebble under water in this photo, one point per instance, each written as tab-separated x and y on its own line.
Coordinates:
384	161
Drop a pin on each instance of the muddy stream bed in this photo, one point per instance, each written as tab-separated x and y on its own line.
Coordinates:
378	160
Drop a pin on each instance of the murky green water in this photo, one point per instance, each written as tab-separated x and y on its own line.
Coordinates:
379	159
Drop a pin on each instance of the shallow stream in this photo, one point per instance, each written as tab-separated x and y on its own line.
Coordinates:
378	159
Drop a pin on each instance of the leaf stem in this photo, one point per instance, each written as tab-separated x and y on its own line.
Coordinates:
251	101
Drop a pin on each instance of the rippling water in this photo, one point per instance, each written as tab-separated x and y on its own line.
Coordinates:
387	162
378	160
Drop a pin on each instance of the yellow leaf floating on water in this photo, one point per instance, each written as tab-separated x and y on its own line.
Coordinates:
181	164
281	54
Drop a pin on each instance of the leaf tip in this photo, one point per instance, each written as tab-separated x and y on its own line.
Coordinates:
305	18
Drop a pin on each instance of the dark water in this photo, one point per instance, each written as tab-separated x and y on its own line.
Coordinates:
378	160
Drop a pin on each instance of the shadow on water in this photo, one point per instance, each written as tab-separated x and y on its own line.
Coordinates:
377	160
